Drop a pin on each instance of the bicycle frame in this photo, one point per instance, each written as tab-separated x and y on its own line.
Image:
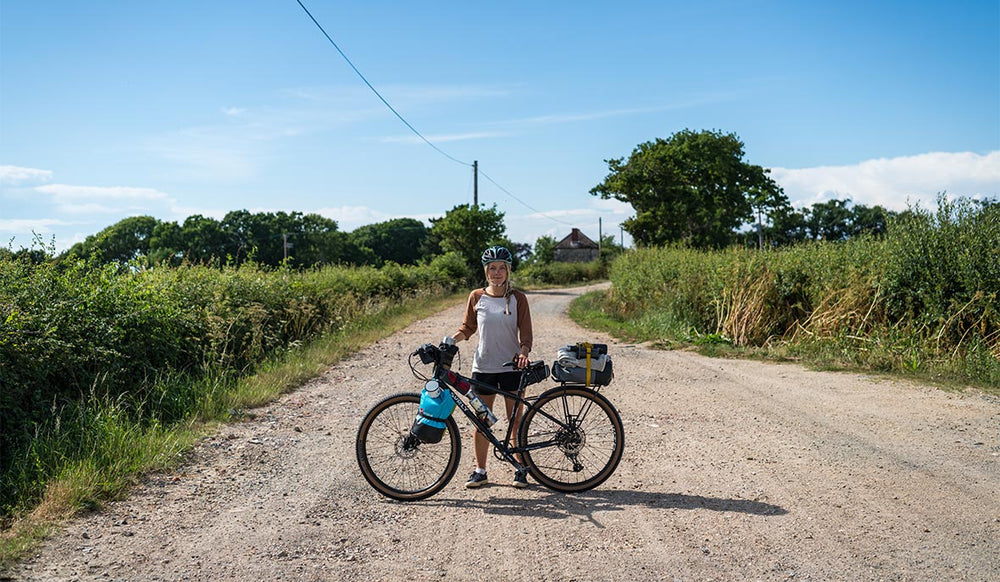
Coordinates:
569	437
462	384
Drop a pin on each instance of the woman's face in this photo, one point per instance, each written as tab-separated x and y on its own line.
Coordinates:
496	273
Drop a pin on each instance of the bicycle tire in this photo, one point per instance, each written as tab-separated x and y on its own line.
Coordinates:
585	443
394	462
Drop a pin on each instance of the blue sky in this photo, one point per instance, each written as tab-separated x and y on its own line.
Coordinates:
112	108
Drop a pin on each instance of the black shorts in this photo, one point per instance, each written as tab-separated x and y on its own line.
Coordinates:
508	381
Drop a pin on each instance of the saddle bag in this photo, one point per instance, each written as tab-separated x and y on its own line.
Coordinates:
573	363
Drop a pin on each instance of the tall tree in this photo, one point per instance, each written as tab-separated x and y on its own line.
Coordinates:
398	240
251	234
692	187
121	242
767	200
870	220
203	238
788	226
830	220
468	230
167	244
545	250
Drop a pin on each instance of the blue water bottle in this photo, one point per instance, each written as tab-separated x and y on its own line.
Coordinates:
436	406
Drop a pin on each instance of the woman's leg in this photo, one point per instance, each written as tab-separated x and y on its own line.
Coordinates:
514	409
482	445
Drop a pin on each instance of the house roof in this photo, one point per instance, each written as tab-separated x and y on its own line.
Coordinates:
576	240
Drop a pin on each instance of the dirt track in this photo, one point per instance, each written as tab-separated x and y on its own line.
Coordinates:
734	470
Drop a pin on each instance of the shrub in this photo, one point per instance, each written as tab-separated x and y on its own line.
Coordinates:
556	273
153	344
924	298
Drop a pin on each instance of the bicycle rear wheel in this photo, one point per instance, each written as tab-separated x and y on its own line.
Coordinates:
395	462
573	439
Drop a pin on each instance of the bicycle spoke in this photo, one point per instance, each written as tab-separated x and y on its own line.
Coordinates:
395	462
572	439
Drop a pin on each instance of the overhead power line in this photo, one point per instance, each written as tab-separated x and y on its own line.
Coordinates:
375	91
407	123
525	204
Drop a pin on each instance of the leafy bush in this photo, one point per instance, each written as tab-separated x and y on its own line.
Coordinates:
556	273
152	345
925	298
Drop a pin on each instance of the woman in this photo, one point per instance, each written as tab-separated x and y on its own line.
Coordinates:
500	314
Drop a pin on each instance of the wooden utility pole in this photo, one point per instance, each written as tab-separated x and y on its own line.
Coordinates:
600	236
475	183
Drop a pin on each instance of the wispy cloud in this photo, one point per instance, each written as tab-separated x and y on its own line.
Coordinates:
443	138
586	116
16	175
40	225
696	100
398	93
895	182
63	192
79	200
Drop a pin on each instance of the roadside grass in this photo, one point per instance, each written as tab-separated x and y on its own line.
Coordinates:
120	451
880	356
921	301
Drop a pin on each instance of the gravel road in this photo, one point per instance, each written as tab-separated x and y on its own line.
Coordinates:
733	470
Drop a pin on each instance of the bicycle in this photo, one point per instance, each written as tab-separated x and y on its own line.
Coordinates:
570	437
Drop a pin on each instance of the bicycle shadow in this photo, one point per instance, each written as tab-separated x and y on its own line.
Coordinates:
554	505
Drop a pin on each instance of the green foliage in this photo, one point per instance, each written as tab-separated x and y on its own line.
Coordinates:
692	187
468	230
453	266
560	273
938	262
267	238
399	240
923	299
154	345
121	242
833	220
545	250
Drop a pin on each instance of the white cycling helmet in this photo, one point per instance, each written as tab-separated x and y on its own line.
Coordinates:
497	253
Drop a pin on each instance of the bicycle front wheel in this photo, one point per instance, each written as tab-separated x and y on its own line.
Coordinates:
572	438
395	462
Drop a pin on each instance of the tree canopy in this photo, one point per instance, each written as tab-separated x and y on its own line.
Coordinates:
692	187
267	238
301	240
831	220
399	240
467	230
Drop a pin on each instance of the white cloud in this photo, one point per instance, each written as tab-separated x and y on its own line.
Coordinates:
40	225
895	182
15	175
66	192
82	200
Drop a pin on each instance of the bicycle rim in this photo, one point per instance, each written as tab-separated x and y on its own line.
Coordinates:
395	463
574	439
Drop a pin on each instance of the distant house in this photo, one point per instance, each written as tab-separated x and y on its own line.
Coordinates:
576	247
